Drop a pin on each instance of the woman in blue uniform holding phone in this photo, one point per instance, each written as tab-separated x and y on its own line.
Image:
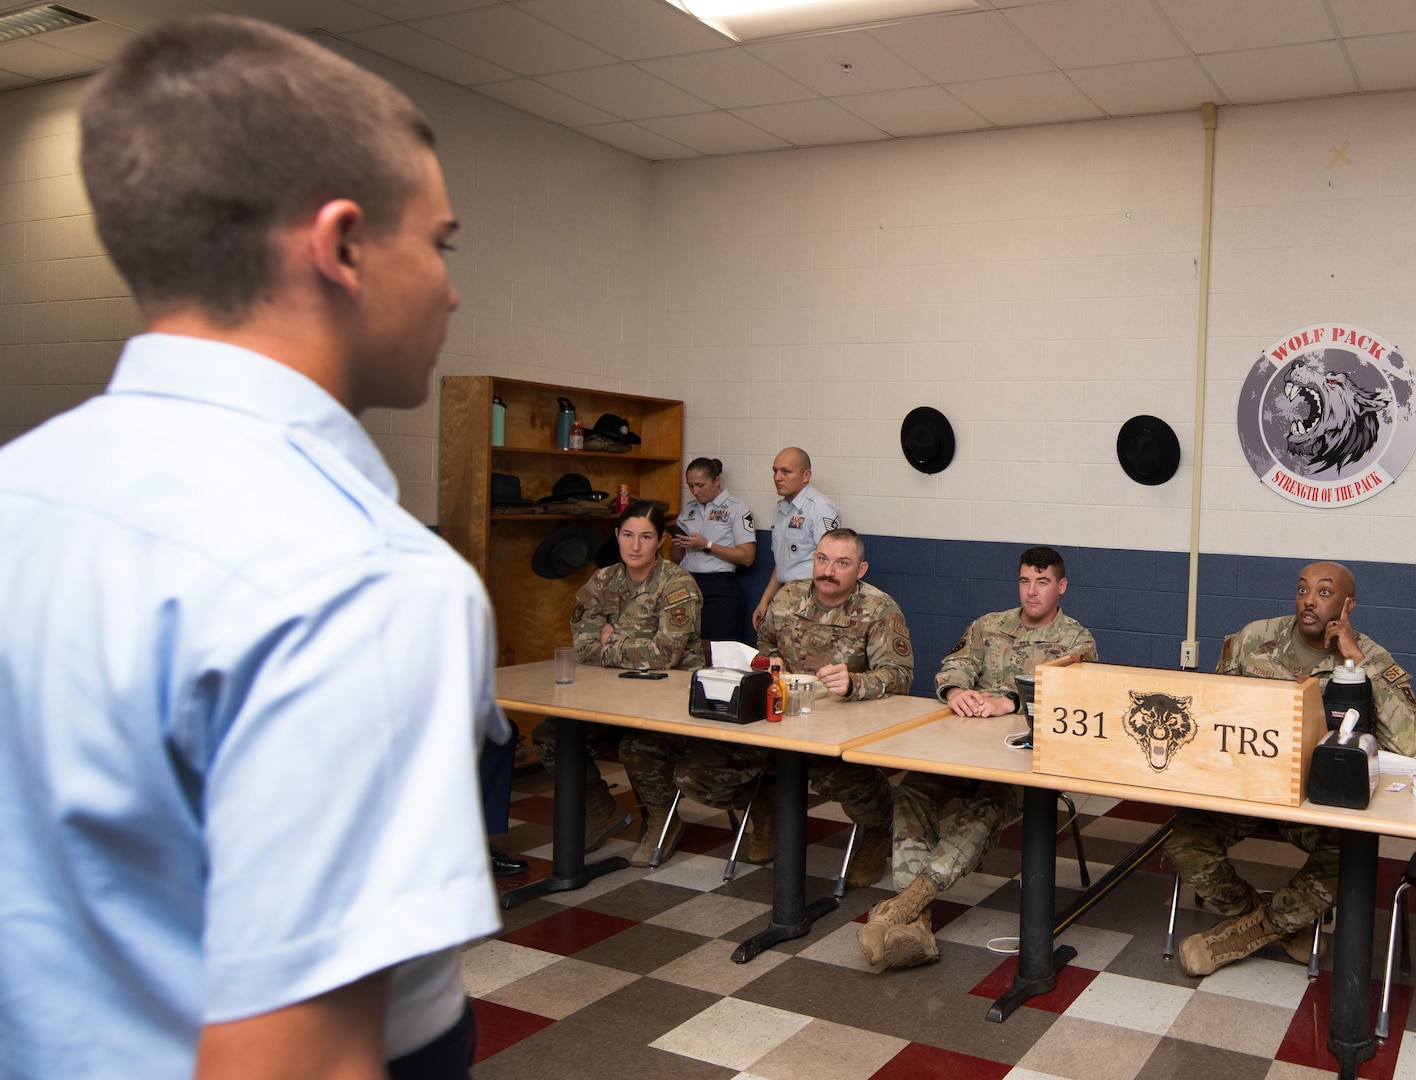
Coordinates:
714	538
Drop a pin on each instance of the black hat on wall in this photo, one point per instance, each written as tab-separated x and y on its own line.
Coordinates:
564	551
1148	450
927	439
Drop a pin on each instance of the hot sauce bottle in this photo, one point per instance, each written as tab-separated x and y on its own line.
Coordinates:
776	694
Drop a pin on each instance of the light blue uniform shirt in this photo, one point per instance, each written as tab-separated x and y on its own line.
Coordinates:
241	697
797	525
725	521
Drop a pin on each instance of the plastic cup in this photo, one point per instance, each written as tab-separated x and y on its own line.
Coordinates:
565	665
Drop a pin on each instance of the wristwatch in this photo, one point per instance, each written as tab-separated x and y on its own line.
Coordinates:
707	547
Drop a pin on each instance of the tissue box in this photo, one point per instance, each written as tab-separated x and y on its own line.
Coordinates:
1246	738
731	694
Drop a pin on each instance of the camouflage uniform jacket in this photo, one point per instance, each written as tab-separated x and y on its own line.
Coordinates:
655	620
998	647
867	633
1265	648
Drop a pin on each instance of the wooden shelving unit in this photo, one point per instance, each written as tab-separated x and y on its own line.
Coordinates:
533	614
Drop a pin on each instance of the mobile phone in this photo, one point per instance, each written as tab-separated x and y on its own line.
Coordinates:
644	674
674	530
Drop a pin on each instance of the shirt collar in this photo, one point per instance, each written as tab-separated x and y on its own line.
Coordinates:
230	377
797	500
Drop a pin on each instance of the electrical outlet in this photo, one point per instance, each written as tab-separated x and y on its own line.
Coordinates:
1189	654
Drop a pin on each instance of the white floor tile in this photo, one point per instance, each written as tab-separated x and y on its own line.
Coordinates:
493	964
1274	982
1137	1004
732	1033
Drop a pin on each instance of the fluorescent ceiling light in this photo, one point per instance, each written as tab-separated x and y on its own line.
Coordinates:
752	20
39	20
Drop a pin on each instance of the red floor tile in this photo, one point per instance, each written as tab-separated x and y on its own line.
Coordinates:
1133	811
499	1026
537	809
919	1062
1305	1042
567	932
1071	981
537	869
818	829
698	839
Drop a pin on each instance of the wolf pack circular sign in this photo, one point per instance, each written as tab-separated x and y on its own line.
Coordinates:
1325	415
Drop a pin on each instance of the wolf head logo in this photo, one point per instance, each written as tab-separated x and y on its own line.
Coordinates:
1335	421
1160	724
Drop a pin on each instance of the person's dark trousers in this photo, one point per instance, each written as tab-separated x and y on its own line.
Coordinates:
448	1057
495	766
724	607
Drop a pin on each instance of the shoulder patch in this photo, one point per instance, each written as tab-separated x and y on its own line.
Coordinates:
830	524
578	612
678	596
958	645
1395	674
901	645
747	520
1405	689
678	616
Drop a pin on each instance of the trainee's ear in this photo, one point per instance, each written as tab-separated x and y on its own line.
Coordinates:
335	239
864	566
1061	586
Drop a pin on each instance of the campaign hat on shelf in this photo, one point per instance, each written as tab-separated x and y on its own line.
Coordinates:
574	487
615	428
927	439
564	551
506	491
1148	450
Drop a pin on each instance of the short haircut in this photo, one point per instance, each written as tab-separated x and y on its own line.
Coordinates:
1042	559
642	508
712	466
844	533
802	456
208	134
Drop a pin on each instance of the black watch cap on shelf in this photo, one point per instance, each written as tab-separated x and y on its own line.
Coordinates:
574	486
506	491
564	551
615	428
927	438
1148	450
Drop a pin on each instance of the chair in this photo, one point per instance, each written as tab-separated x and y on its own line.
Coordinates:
1398	917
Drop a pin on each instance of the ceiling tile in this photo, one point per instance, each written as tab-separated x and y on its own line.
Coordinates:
630	29
1287	73
1047	98
1089	33
530	96
728	78
418	50
140	15
1360	18
10	81
625	91
1212	26
509	37
636	140
1149	86
715	133
921	110
1384	63
820	61
959	48
36	60
96	40
334	16
406	10
811	123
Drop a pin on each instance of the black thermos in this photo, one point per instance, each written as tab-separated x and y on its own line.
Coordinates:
1349	689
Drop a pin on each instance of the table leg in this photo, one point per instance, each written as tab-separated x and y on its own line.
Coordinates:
568	869
1037	962
791	916
1348	1036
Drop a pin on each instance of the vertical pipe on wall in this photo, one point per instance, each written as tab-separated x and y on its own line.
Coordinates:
1209	116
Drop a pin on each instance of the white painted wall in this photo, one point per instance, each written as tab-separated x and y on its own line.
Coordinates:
551	263
1039	286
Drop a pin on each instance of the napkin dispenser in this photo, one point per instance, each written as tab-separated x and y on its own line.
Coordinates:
731	694
1344	770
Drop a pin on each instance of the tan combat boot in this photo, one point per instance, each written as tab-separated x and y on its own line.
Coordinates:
1233	939
912	944
868	858
603	816
899	910
653	829
762	843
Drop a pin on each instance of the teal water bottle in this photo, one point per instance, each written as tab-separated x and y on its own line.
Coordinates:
564	420
498	422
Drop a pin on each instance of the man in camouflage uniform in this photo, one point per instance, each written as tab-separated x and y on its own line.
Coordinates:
1313	640
853	638
641	612
976	679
